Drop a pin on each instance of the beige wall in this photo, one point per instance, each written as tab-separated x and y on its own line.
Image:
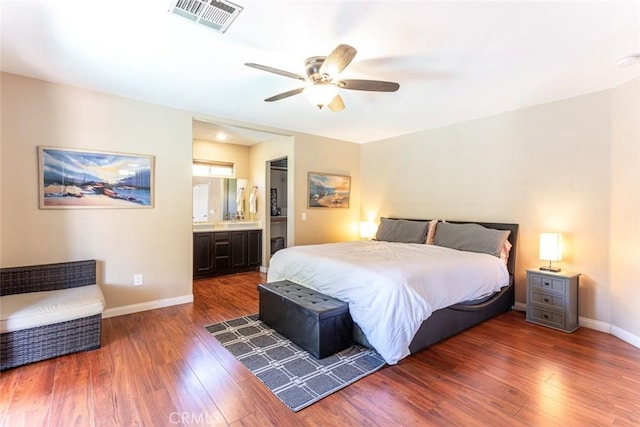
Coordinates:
545	167
569	166
276	148
154	242
221	152
308	153
625	209
315	154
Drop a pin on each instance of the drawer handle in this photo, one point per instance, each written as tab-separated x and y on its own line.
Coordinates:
547	283
546	316
546	300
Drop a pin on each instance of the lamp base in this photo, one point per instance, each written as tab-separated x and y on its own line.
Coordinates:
551	269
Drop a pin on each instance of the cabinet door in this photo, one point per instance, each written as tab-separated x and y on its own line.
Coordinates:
202	254
238	249
254	247
221	252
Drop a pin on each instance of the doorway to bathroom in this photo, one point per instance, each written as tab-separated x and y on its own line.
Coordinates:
278	203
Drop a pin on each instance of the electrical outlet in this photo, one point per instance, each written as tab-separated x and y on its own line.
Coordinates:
304	216
137	280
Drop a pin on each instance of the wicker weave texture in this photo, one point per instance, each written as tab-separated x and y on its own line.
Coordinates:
47	277
44	342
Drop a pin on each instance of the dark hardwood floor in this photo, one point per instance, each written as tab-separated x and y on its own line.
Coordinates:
161	368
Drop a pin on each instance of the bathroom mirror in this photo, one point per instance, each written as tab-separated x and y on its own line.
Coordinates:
214	199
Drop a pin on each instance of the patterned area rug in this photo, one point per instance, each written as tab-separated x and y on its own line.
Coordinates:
293	375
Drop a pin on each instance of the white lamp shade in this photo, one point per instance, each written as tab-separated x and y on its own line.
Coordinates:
550	246
367	229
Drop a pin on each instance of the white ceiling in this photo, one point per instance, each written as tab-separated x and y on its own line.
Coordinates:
454	60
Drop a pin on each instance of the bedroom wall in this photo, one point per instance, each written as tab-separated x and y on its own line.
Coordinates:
316	154
624	246
546	167
221	152
155	242
260	154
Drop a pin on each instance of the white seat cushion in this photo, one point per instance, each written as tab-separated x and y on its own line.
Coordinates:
32	309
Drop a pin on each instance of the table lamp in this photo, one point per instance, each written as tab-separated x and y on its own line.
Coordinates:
550	250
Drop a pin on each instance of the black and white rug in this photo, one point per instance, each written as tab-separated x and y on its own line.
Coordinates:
293	375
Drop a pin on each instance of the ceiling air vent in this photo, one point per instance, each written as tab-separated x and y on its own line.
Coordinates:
214	14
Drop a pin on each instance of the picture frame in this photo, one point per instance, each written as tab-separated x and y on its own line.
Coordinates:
328	191
71	178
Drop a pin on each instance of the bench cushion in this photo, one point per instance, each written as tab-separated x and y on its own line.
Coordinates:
316	322
33	309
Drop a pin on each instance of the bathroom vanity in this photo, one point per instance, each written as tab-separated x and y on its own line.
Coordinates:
226	249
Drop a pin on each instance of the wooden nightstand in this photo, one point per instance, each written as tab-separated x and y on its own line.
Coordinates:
552	299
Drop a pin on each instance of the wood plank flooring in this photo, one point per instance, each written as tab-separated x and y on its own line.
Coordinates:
161	368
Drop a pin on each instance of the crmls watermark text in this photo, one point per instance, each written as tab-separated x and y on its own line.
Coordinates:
191	418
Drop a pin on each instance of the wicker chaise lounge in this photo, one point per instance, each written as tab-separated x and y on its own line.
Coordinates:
48	311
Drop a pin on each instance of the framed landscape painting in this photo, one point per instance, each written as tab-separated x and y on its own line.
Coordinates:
328	191
71	178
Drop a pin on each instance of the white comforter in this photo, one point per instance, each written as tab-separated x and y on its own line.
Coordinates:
391	288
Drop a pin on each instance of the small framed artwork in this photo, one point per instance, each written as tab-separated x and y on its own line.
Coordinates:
71	179
328	191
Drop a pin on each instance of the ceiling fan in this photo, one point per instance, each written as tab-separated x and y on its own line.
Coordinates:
322	83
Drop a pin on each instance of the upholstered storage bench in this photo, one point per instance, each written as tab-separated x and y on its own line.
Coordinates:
316	322
48	310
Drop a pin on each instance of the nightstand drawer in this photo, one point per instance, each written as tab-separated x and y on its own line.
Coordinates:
547	317
552	299
546	282
543	298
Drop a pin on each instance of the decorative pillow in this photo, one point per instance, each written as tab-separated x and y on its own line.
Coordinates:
431	231
402	230
504	253
471	238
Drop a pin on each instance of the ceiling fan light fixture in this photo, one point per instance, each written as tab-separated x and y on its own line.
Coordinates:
320	94
321	87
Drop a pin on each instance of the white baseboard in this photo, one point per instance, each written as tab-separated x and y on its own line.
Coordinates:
598	326
520	306
149	305
625	336
264	269
594	324
610	329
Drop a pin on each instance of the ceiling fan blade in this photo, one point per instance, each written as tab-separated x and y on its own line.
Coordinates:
338	60
284	95
337	104
370	85
275	71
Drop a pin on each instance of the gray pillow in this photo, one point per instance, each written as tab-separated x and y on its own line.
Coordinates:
471	238
402	230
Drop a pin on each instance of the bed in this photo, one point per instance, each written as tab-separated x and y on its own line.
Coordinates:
405	295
